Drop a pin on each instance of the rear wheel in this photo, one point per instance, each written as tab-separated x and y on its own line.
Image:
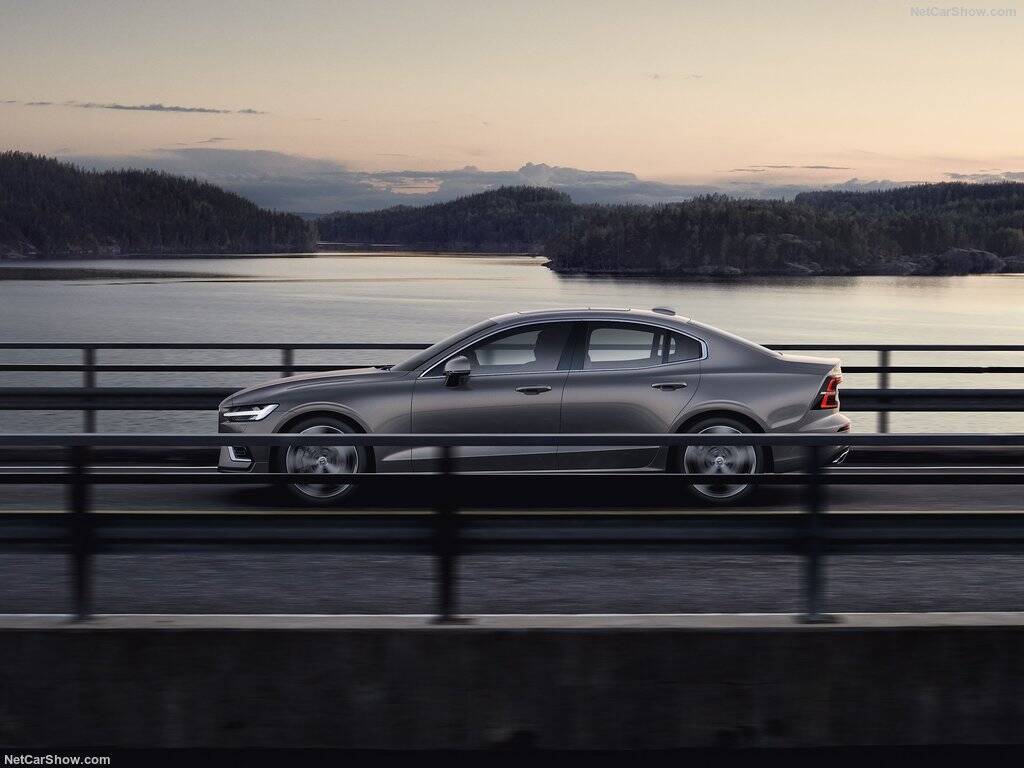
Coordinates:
326	464
721	463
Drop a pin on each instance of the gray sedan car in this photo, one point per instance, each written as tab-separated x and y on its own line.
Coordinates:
569	371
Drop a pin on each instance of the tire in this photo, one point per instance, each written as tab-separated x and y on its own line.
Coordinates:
322	460
720	461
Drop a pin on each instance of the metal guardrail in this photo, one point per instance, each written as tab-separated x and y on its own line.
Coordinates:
812	534
90	397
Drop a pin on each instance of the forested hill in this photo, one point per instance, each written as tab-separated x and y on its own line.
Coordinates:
50	208
927	229
511	219
920	230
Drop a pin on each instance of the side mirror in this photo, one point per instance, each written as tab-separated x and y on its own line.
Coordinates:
455	370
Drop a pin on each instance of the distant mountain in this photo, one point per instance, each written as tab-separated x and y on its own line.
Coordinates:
509	219
50	208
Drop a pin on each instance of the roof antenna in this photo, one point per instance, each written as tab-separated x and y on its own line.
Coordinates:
664	310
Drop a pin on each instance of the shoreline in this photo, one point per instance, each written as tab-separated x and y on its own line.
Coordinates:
20	268
702	277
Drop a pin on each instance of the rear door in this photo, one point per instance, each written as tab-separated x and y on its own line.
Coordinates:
515	385
627	378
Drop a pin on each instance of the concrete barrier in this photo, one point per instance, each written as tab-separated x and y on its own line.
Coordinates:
543	681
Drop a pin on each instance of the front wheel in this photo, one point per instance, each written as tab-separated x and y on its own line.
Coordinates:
721	463
327	464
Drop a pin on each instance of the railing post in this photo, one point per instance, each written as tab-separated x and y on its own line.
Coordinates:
883	383
287	361
814	569
446	543
89	381
81	532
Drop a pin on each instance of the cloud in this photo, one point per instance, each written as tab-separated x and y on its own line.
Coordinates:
761	168
316	185
663	76
155	107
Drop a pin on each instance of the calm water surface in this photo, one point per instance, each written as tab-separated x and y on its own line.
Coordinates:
374	297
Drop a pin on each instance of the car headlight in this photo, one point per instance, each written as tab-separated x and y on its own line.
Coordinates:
248	412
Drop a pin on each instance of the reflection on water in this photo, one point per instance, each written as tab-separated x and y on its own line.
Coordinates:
409	297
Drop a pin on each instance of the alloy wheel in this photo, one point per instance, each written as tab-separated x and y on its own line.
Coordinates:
719	462
321	460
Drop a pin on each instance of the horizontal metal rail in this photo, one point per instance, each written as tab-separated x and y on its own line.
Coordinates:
777	532
447	536
208	398
220	345
802	439
382	345
533	480
90	398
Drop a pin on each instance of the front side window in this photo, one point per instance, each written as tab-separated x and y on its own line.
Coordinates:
634	346
533	349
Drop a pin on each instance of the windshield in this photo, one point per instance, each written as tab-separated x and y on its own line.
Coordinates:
419	358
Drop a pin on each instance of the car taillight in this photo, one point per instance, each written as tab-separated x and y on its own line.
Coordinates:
828	397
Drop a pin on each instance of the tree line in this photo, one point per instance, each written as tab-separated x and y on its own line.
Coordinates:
949	228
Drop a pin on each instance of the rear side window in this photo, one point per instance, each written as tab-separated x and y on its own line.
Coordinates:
682	348
612	346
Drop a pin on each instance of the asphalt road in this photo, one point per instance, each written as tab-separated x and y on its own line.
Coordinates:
653	583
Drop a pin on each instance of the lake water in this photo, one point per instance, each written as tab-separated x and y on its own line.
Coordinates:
423	297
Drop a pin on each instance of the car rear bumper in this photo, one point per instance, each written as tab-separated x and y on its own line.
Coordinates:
794	458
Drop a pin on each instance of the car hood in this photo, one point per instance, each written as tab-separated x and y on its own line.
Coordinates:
270	390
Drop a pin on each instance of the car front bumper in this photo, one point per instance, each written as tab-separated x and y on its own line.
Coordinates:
241	457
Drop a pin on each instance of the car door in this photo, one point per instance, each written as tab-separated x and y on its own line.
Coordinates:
626	378
515	385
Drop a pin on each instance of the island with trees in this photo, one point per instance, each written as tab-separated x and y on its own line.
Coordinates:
949	228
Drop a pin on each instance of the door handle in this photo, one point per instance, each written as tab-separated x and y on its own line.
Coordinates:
533	390
668	386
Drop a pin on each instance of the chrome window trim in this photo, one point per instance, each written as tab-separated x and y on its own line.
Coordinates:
588	320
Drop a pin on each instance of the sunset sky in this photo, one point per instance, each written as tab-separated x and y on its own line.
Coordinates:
725	93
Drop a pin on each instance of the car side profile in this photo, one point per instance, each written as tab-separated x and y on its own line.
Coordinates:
553	371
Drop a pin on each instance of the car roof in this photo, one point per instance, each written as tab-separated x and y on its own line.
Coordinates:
592	313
